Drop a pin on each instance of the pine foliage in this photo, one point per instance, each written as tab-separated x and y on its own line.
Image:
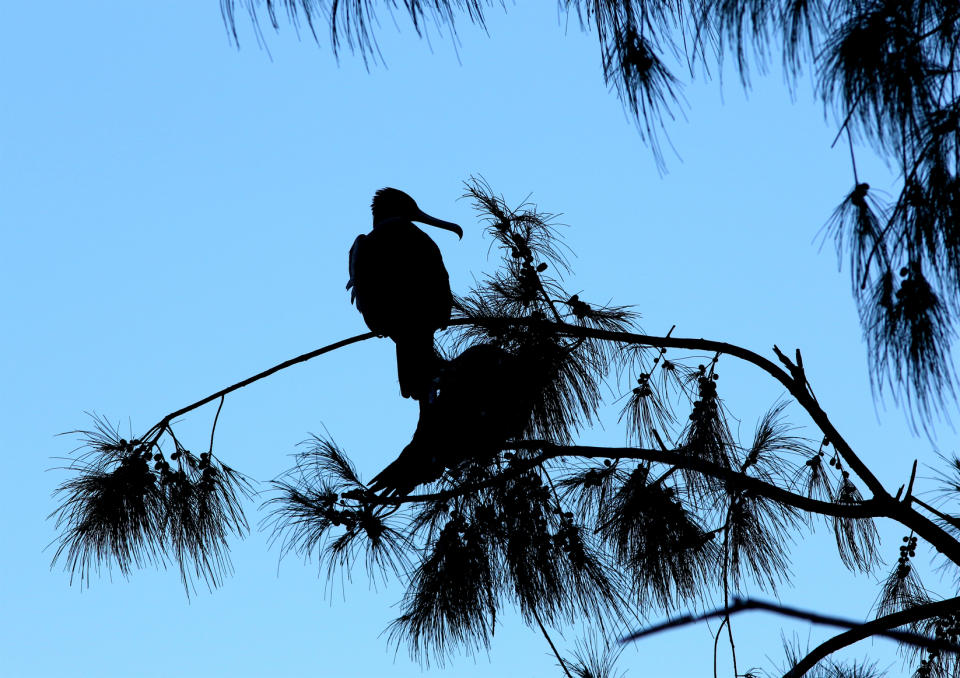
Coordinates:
560	532
887	69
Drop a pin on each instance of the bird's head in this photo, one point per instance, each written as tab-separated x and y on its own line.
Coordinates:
390	203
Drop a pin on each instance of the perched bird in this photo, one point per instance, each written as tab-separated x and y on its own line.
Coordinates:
484	397
399	284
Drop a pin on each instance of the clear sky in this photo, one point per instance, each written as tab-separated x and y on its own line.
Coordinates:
176	216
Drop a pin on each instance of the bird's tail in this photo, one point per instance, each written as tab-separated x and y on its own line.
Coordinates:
416	465
417	365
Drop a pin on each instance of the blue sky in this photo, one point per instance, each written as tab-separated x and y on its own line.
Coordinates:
176	216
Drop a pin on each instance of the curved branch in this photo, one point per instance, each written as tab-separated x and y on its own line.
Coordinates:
939	538
870	508
163	423
935	535
950	520
884	630
867	509
793	381
797	390
871	628
796	387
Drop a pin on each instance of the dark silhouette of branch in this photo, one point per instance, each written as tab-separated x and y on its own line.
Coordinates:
790	382
216	418
164	423
556	653
858	630
939	538
795	383
796	388
877	627
867	509
953	521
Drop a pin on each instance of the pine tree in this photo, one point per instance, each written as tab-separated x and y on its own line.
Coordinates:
887	70
515	513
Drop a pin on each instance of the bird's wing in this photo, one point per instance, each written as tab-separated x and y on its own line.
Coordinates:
426	273
353	265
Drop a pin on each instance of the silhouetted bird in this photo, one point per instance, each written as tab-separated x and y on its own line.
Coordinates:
485	397
401	286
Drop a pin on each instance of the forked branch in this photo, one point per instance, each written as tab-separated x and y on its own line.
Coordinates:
886	505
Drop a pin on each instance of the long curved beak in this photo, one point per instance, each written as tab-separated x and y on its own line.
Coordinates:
425	218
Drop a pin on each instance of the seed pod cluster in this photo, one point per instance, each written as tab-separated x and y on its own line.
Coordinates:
907	551
705	408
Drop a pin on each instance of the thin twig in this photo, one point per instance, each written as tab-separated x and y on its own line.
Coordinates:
726	592
846	120
726	588
716	643
164	423
543	291
733	647
853	159
913	476
214	428
553	647
952	520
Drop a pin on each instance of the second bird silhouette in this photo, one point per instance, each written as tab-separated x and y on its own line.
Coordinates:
486	396
401	287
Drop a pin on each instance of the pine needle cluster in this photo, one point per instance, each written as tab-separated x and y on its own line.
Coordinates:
131	505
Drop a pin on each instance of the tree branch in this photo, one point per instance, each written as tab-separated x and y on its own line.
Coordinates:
867	509
936	536
878	626
163	423
560	660
798	391
795	386
924	527
950	520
